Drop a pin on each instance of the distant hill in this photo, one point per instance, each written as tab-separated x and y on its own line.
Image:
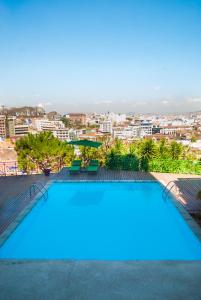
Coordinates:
25	111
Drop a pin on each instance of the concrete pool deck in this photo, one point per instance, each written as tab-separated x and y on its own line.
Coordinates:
104	280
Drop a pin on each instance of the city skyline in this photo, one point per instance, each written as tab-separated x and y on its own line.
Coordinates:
121	56
97	107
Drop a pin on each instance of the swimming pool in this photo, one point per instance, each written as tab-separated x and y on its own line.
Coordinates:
103	221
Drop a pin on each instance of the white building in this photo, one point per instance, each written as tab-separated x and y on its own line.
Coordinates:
116	118
46	125
106	127
21	130
2	126
62	134
145	128
168	130
127	133
174	130
136	130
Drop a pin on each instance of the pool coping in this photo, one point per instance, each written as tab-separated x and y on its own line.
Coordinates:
184	213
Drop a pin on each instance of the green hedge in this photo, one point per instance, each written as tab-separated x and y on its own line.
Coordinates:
175	166
131	162
122	162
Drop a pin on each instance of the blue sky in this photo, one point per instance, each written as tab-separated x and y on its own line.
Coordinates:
99	55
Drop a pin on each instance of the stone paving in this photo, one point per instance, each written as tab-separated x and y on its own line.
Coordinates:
100	280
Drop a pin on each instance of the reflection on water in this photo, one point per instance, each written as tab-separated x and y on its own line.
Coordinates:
85	198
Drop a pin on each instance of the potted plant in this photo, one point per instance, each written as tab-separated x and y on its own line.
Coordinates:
47	171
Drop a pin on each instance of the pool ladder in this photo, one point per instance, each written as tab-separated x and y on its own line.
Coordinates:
11	209
168	188
40	187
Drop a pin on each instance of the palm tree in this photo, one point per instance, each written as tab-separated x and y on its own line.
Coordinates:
176	150
148	149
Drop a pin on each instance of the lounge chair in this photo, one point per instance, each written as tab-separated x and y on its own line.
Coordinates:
93	166
75	166
94	162
76	162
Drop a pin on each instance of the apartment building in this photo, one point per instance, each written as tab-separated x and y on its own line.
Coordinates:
77	118
170	130
46	125
10	126
127	133
21	130
7	126
122	133
105	126
146	127
2	126
116	118
62	134
136	130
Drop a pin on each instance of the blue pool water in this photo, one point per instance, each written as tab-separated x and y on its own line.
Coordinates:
108	221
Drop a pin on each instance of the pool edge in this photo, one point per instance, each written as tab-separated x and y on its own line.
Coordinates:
191	223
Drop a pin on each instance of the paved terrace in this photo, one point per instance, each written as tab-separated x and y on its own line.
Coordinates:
104	280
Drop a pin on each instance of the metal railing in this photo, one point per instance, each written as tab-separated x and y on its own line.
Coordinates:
9	168
11	209
168	188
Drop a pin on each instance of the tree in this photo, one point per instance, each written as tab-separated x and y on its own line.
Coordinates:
176	150
118	147
148	149
44	151
66	121
88	153
163	148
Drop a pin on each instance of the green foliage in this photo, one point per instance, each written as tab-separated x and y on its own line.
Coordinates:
42	151
148	150
88	153
122	162
45	151
118	147
174	166
147	155
66	121
176	150
163	149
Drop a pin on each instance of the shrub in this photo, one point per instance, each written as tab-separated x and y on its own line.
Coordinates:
175	166
122	162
